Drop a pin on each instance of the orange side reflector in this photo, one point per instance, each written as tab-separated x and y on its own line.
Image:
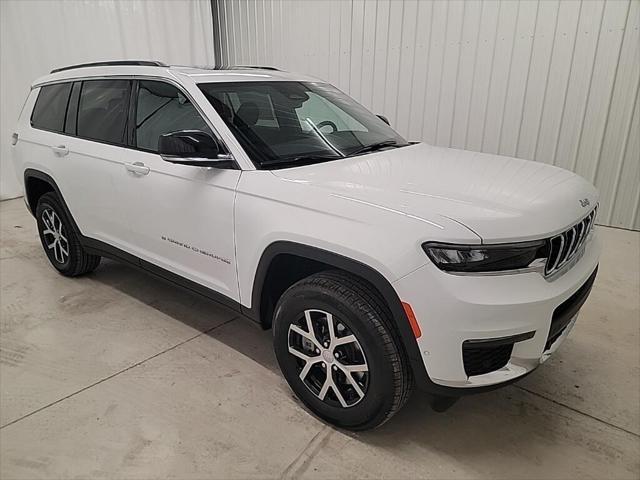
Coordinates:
412	320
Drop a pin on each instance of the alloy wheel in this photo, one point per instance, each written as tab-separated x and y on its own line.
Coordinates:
331	361
54	236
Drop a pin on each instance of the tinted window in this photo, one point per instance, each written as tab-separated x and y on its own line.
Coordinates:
281	124
70	123
103	108
323	108
50	107
162	108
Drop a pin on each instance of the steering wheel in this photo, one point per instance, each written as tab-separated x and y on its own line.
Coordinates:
329	123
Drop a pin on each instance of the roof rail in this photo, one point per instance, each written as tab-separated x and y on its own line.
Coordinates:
145	63
228	67
252	67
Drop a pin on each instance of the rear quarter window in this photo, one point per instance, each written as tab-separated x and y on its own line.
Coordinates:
51	106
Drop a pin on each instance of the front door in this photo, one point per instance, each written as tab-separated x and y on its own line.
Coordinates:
181	216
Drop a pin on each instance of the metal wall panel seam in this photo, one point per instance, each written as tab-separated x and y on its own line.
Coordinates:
566	90
574	160
428	59
455	90
622	155
506	95
493	56
594	174
444	48
544	95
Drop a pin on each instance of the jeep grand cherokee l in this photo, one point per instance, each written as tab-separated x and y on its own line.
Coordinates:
379	263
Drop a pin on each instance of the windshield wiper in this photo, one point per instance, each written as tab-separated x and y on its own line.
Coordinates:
299	160
376	146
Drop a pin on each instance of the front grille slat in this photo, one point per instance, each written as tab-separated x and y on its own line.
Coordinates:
573	233
563	247
581	230
560	252
569	239
587	222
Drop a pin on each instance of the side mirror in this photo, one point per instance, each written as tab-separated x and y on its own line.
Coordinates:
193	147
384	119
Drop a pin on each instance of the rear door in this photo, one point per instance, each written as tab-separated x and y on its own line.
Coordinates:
181	216
77	136
93	156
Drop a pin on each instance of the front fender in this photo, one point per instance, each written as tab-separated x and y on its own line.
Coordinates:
269	209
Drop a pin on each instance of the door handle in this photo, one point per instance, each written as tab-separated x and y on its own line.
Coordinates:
60	150
138	168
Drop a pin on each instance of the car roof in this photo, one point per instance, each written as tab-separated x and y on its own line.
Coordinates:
199	74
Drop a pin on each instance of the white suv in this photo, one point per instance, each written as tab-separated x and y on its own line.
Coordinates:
379	263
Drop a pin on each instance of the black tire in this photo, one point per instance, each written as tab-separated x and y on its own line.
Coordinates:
359	310
76	261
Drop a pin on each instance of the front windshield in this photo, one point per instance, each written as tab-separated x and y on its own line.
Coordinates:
284	124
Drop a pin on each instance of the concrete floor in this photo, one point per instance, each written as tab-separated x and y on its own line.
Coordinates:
120	375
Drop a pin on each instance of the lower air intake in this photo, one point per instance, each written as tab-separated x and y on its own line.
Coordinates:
480	359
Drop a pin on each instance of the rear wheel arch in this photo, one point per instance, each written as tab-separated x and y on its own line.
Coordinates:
34	187
36	184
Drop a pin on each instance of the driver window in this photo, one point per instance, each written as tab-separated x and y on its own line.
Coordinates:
318	110
163	108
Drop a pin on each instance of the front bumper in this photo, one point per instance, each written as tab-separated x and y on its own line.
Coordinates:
454	309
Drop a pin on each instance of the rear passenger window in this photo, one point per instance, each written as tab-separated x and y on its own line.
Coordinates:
103	110
162	108
51	106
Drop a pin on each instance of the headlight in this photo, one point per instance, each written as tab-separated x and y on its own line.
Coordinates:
486	258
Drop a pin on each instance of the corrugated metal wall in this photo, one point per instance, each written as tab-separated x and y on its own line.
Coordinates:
554	81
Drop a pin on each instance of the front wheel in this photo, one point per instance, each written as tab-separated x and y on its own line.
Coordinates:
335	347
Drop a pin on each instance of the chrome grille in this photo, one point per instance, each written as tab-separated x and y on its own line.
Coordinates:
563	247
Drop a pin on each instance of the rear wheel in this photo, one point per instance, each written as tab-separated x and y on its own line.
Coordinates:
59	240
335	347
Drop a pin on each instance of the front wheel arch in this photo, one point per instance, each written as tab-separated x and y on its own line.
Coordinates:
308	260
320	259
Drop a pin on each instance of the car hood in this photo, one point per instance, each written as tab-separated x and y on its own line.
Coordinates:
499	198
